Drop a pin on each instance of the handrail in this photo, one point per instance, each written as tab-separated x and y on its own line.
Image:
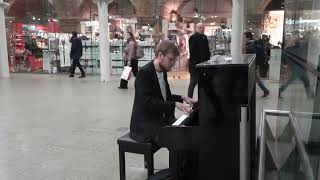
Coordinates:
293	122
303	152
262	155
307	115
300	61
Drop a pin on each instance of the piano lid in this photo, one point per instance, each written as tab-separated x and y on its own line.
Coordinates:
221	60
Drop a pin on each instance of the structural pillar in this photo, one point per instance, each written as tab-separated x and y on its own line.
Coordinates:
105	60
4	65
237	27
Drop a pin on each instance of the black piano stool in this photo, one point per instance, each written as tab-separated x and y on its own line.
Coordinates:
126	144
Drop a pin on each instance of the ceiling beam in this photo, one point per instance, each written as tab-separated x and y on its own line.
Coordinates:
183	4
10	4
263	5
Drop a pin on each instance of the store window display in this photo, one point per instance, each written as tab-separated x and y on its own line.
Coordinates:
27	43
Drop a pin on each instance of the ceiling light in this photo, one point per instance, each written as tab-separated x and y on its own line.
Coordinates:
173	15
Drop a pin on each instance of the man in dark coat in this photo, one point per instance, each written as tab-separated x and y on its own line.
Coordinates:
75	54
199	52
254	47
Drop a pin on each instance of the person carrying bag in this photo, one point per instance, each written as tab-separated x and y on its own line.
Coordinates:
133	52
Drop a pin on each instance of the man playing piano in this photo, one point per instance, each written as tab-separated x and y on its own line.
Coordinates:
154	105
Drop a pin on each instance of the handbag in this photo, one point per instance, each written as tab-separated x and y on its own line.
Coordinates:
139	52
126	73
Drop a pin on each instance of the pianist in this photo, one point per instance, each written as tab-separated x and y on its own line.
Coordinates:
154	105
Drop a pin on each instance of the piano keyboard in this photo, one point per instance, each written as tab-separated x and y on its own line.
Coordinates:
180	120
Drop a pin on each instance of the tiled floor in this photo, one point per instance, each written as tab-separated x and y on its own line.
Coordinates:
56	128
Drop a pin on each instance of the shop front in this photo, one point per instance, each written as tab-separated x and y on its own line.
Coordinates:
38	32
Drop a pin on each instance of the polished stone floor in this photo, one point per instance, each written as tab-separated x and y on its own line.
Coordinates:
56	128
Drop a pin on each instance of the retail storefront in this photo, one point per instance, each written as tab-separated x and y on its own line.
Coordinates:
38	32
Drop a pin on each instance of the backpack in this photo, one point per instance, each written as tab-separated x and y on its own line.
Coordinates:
139	52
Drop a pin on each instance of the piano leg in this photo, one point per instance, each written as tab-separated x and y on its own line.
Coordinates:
122	164
148	159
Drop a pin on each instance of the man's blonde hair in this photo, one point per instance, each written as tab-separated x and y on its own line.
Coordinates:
166	47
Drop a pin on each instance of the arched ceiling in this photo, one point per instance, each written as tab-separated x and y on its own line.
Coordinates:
221	8
116	7
163	8
142	8
19	9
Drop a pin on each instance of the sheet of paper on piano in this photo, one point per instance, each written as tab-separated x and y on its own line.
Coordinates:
180	120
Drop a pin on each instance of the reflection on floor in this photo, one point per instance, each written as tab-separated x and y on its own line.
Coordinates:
53	127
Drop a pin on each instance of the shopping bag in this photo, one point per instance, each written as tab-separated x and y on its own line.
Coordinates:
126	73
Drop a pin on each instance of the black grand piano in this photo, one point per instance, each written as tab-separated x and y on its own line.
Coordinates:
218	139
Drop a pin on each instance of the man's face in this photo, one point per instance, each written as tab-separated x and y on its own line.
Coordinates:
167	61
200	29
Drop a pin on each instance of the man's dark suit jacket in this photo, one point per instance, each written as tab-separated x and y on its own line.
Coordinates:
199	50
76	48
150	111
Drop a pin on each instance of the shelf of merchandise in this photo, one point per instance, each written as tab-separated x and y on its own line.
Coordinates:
91	56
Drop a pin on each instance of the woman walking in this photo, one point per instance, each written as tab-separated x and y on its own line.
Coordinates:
130	59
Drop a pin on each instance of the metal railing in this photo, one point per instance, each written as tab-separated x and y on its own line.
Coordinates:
301	62
297	135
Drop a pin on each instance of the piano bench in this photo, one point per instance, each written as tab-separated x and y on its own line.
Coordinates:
126	144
